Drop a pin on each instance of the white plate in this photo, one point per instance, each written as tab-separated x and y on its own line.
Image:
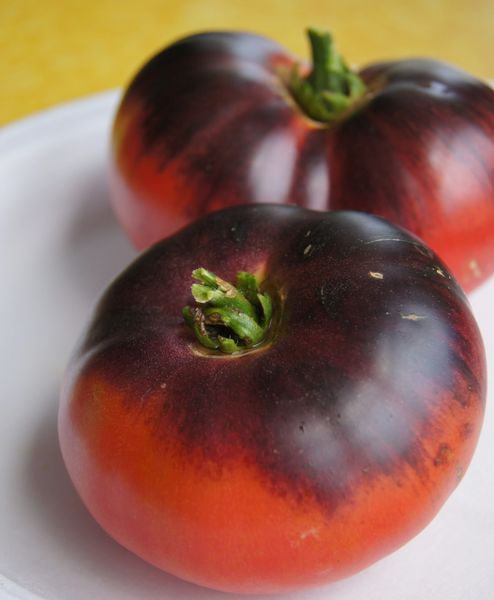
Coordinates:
59	247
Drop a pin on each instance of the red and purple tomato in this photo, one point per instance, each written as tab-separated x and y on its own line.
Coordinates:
312	413
221	118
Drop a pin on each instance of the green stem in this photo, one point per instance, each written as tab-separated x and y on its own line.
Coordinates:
331	87
228	318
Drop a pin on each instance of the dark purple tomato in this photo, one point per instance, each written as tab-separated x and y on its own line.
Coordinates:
223	118
312	413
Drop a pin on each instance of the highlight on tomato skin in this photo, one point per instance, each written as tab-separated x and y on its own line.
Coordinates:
288	460
225	118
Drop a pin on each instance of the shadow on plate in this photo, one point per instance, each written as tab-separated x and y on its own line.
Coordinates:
95	247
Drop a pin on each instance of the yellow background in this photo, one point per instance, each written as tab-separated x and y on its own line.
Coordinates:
56	50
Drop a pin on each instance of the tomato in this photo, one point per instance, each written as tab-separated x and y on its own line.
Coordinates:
298	424
219	119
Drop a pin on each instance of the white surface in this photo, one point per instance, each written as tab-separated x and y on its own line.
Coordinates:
59	247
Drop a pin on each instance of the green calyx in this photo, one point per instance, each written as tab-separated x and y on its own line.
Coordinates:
331	87
229	318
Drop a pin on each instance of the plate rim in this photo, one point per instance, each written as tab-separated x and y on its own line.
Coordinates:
22	131
10	590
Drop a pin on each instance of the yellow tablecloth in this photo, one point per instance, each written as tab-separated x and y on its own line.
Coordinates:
56	50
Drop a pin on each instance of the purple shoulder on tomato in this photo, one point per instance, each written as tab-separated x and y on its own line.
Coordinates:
374	337
321	383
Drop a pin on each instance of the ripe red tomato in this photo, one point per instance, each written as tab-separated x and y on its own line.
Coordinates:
331	414
219	119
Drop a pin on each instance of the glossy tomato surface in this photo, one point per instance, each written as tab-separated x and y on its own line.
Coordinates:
299	461
210	122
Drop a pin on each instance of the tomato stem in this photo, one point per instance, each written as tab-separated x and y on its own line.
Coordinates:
228	318
331	87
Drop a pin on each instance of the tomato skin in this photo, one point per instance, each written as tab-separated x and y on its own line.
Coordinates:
280	468
209	123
